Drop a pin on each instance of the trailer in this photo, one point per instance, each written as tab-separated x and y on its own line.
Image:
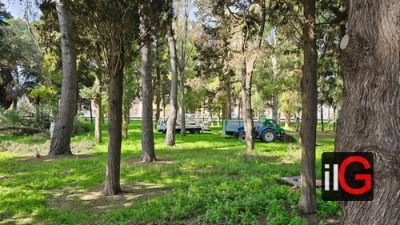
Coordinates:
191	125
229	127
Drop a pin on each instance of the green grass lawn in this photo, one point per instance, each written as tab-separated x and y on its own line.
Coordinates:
206	179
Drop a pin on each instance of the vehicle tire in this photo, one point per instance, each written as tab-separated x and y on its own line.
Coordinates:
196	131
242	137
268	136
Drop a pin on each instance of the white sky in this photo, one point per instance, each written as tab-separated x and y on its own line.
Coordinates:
14	7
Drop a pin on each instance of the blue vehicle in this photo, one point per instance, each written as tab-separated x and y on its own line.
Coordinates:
269	132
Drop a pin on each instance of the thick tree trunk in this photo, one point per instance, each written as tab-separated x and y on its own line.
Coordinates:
116	72
60	143
308	201
370	116
148	152
170	137
247	111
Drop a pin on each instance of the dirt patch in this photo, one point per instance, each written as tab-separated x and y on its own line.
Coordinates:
25	149
95	201
313	219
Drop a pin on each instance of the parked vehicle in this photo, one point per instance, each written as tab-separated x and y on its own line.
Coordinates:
192	125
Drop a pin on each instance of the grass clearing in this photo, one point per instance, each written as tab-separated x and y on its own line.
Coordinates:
206	179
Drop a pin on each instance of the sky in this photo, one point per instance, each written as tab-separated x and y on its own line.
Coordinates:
14	7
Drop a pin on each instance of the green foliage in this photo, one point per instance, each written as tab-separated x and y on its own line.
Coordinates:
46	94
81	125
328	208
12	117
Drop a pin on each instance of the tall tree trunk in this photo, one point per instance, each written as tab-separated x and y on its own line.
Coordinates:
227	74
287	120
148	152
275	99
308	201
116	73
247	111
125	120
171	124
322	117
182	68
98	124
329	117
369	120
60	143
158	83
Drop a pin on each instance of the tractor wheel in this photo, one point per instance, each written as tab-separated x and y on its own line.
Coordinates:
268	136
242	137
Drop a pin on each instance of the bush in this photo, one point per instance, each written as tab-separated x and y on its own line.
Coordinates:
13	117
81	125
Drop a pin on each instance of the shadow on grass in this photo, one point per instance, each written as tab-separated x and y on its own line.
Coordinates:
94	200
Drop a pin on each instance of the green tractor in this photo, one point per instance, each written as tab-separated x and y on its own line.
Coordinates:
268	133
280	132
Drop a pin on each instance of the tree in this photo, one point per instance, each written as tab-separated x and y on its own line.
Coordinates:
182	64
308	200
171	124
148	153
60	143
369	119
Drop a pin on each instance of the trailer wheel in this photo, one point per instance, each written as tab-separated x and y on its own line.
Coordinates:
242	137
268	136
195	131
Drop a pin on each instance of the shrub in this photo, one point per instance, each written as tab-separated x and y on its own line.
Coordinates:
81	125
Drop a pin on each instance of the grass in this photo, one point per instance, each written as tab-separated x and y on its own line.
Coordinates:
206	179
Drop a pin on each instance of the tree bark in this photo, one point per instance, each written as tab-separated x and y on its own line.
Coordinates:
60	143
182	68
308	202
171	124
369	120
158	82
98	123
148	152
275	99
247	111
322	117
116	70
125	120
287	120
